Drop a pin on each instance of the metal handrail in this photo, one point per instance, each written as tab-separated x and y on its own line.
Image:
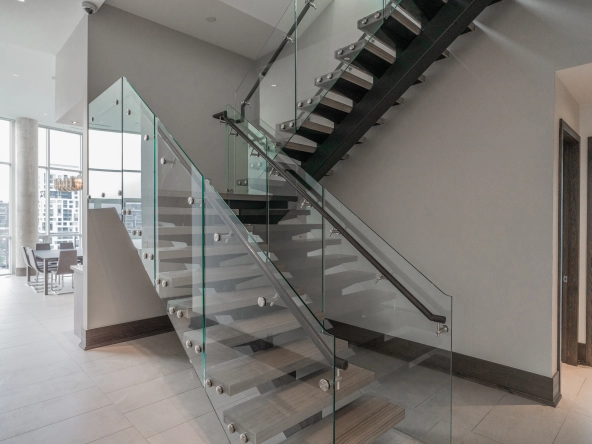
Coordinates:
283	293
276	54
369	257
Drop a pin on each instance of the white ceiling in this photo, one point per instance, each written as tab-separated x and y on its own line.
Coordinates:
42	25
242	28
32	33
578	81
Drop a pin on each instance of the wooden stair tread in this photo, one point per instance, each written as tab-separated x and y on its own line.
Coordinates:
214	274
360	422
300	147
225	301
265	416
248	330
316	127
246	372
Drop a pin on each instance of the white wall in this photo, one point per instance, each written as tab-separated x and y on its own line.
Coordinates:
184	80
71	76
462	178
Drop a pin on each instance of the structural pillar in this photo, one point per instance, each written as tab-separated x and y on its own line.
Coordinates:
26	189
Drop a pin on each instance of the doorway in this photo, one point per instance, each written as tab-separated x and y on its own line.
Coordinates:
569	241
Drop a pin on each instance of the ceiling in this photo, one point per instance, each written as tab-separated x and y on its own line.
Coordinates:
32	33
578	81
235	20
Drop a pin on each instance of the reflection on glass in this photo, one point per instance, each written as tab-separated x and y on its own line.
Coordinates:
104	150
5	127
64	207
64	149
104	184
42	146
132	159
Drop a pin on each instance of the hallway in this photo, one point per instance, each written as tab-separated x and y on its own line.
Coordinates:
146	391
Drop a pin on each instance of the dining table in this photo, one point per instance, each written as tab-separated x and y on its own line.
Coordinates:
48	256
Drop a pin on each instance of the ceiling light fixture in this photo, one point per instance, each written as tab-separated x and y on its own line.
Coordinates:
22	1
74	122
274	85
15	75
210	19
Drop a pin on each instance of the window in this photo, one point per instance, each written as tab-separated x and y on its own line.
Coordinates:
60	154
5	191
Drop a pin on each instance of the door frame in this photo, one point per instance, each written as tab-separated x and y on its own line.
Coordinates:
588	356
570	302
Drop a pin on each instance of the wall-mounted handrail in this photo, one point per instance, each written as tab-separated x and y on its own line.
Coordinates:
305	193
276	54
280	289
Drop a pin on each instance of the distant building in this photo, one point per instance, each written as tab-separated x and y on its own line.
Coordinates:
4	218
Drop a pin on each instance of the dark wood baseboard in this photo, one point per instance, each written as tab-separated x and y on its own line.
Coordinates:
20	271
526	384
114	334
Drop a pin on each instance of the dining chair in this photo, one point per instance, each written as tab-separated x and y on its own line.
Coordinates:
38	266
42	246
35	284
66	246
67	259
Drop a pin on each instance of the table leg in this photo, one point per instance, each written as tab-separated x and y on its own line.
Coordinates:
28	274
45	265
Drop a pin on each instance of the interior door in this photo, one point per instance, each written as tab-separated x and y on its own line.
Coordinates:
570	239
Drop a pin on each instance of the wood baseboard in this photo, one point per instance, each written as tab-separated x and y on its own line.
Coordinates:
526	384
114	334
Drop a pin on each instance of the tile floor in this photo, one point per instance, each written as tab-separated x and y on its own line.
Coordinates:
146	391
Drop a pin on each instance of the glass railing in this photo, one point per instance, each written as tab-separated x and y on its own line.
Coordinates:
370	295
256	340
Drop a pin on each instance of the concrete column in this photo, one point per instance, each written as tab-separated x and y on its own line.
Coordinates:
26	187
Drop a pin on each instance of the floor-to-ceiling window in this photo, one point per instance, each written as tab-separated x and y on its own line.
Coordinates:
6	127
60	154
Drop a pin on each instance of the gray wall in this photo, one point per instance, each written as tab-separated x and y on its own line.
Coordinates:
462	178
184	80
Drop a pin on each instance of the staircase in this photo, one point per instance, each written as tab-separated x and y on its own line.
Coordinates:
300	320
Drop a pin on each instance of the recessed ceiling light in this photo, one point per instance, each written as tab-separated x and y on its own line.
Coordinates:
45	114
274	85
15	75
22	1
74	122
211	19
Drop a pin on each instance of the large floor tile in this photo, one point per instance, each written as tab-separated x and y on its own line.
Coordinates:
581	370
16	323
20	331
417	423
80	429
127	436
48	412
32	338
127	377
470	403
32	348
582	402
163	415
517	420
59	325
42	391
577	429
146	393
441	434
203	430
412	385
41	372
114	363
24	361
395	437
571	384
